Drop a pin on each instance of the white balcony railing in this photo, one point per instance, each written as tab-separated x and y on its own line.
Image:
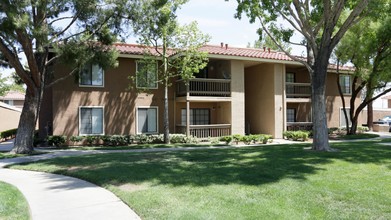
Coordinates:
298	90
204	87
205	131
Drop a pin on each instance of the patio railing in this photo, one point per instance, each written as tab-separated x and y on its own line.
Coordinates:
204	87
205	131
298	90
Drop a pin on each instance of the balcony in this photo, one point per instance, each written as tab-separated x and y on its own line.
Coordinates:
298	91
205	131
202	89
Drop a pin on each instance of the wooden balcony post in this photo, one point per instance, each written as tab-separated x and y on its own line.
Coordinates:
187	118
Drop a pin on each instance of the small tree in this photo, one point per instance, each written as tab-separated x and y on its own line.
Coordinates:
321	25
367	46
49	32
4	87
175	47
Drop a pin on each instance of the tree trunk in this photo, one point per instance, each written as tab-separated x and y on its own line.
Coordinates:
28	119
320	131
370	116
166	121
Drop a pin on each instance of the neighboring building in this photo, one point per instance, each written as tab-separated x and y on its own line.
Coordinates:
9	116
13	98
241	91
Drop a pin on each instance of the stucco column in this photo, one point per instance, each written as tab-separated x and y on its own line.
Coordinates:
237	98
279	100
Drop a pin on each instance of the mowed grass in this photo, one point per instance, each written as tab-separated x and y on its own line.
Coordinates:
266	182
13	205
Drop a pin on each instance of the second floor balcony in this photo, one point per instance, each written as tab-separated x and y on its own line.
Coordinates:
298	90
202	87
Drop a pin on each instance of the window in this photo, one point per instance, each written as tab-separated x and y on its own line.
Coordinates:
344	81
91	121
290	115
146	75
9	102
147	120
198	116
91	75
342	120
290	78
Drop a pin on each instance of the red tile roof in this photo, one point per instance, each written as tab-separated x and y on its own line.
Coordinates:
137	49
13	95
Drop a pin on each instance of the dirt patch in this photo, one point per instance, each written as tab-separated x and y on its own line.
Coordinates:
130	187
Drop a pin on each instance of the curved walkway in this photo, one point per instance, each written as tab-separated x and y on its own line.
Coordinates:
52	196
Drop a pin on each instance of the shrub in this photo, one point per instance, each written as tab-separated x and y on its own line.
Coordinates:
237	138
265	138
75	139
157	139
56	140
226	139
362	129
332	130
214	140
182	139
246	139
92	139
255	138
143	139
8	133
296	135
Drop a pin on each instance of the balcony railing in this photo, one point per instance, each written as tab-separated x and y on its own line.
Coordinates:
296	126
204	87
298	90
205	131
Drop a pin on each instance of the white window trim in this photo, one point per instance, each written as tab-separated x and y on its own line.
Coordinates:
94	86
103	119
138	87
157	119
350	83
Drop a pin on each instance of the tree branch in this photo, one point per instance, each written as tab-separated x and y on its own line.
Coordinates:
61	79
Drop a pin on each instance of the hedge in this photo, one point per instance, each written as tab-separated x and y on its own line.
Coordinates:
8	133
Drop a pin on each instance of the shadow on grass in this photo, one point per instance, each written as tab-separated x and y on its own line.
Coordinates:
249	166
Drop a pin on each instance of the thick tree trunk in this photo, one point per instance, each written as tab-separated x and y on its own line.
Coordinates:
166	121
28	119
370	116
320	131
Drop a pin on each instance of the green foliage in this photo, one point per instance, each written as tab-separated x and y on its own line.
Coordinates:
227	139
8	133
56	140
362	129
76	139
115	140
246	139
4	87
296	135
92	139
182	139
237	138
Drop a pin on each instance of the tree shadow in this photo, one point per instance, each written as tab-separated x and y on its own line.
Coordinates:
247	166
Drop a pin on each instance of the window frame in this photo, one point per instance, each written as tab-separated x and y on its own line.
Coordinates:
343	86
294	77
157	119
93	86
294	113
103	119
156	75
193	115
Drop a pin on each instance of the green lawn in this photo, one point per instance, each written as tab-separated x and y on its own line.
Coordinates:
6	155
12	203
358	136
266	182
140	146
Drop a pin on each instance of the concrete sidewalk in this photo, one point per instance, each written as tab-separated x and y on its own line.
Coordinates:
52	196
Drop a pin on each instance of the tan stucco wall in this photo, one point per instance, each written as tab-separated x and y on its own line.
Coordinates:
118	100
237	97
9	119
219	111
259	98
